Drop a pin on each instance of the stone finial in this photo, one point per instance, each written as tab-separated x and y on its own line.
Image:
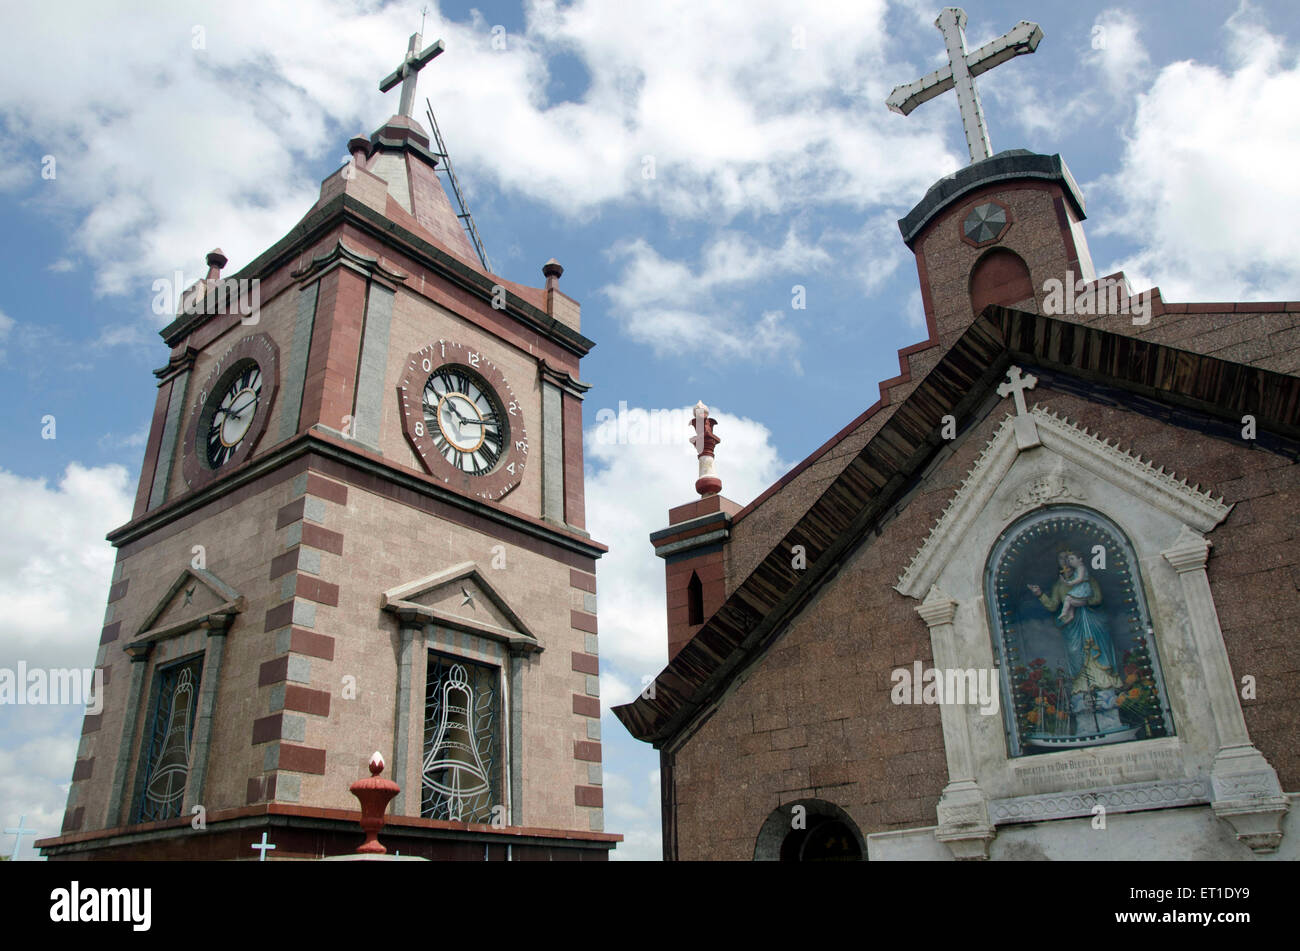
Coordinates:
359	149
552	271
704	442
374	794
216	261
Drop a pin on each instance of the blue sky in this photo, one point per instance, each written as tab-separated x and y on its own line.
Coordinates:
775	164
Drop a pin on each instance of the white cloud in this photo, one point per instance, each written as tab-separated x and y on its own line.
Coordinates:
62	266
631	482
1117	53
55	566
55	569
681	311
163	150
1203	198
34	780
633	810
6	326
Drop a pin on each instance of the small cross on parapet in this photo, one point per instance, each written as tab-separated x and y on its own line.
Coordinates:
960	74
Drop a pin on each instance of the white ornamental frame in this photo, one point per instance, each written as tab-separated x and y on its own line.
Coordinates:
1038	458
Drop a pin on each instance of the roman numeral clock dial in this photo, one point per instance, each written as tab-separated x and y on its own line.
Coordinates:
463	420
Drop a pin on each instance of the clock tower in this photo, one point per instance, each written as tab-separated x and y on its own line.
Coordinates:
359	526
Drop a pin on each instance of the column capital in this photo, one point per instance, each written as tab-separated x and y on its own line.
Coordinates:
937	608
1189	551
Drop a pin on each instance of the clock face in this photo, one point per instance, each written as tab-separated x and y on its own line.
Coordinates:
232	405
233	415
465	418
462	419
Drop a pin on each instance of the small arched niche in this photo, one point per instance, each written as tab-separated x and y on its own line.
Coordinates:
999	277
809	830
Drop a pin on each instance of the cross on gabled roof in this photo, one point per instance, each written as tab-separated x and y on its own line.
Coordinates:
961	71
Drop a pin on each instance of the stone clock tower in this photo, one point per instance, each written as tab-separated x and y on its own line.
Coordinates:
359	526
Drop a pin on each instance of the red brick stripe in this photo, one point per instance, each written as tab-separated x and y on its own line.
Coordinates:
302	759
118	591
267	728
83	769
92	723
273	671
318	485
313	536
291	513
582	580
306	700
279	616
588	796
583	621
110	632
586	750
586	706
284	563
311	643
313	589
585	663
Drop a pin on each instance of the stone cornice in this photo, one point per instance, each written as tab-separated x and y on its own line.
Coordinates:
313	443
343	256
345	209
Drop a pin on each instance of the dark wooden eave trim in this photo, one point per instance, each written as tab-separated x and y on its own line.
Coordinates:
891	462
348	210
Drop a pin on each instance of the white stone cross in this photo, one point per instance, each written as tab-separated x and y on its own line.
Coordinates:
263	846
961	71
1016	385
18	834
408	72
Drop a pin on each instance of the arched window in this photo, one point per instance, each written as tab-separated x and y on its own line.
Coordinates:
1072	634
999	277
694	600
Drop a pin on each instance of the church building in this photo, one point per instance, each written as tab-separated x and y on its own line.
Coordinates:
1037	602
359	527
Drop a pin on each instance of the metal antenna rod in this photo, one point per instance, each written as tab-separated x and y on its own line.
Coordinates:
464	215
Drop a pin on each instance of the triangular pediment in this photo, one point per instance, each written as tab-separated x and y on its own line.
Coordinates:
462	597
994	487
197	598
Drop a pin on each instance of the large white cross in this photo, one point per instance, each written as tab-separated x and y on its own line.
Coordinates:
408	72
18	834
263	846
961	71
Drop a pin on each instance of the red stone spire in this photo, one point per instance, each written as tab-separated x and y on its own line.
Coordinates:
708	483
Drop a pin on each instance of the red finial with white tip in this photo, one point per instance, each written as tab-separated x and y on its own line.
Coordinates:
708	483
374	793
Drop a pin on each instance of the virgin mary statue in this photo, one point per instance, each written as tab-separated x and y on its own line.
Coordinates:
1090	653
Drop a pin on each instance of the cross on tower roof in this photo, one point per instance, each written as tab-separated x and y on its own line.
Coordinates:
408	72
961	71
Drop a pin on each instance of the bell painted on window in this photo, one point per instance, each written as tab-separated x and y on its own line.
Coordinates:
453	768
172	768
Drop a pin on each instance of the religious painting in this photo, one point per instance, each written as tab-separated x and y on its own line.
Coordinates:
461	772
167	744
1073	635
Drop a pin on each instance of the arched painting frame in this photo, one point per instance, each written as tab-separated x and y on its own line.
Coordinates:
1078	660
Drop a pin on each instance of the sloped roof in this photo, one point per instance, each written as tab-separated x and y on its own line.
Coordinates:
756	612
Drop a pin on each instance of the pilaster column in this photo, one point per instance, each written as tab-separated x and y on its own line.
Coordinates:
1247	794
965	825
118	797
209	683
409	626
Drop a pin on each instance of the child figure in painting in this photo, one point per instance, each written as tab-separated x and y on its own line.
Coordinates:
1090	653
